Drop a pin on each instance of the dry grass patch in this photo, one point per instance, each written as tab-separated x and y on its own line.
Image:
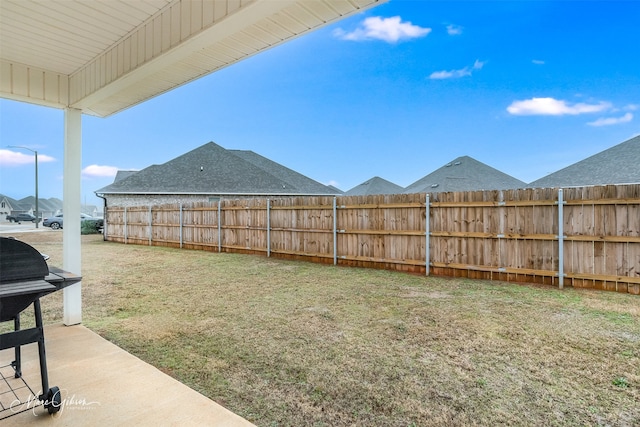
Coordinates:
292	343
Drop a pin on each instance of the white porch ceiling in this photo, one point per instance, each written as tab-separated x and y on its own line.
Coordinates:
103	56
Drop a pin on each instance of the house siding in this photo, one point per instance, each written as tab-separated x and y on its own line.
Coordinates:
134	200
129	200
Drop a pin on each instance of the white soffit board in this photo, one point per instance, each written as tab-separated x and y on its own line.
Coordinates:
103	56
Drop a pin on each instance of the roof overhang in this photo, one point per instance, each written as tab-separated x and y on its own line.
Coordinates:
101	57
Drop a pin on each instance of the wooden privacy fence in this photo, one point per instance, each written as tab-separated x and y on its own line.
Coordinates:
583	237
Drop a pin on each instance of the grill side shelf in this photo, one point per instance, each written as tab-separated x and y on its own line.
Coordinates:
31	287
61	278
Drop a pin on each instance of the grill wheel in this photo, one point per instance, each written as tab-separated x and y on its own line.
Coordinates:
53	401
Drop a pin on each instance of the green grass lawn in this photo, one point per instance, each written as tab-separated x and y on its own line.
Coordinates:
285	343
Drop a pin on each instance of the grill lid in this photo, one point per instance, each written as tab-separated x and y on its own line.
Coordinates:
20	261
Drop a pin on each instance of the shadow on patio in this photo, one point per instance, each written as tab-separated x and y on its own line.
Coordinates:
102	385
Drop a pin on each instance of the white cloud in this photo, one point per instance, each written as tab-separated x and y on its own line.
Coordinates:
628	107
14	158
455	74
612	120
454	30
537	61
390	30
97	171
553	107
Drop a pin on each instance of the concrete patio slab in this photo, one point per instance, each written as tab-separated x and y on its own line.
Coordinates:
104	385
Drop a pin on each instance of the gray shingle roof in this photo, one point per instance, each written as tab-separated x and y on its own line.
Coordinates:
211	169
51	204
619	164
336	190
375	185
121	174
302	183
464	174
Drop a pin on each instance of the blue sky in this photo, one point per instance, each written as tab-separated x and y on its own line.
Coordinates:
527	87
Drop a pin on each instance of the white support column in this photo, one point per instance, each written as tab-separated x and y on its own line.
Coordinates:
71	242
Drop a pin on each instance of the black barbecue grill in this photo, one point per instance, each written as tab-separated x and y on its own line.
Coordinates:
24	278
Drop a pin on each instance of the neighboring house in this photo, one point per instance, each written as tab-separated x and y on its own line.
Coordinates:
91	210
208	173
375	185
6	206
619	164
47	207
464	174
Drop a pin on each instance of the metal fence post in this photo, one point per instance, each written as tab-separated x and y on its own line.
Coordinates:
180	228
335	233
426	235
220	225
268	228
560	239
